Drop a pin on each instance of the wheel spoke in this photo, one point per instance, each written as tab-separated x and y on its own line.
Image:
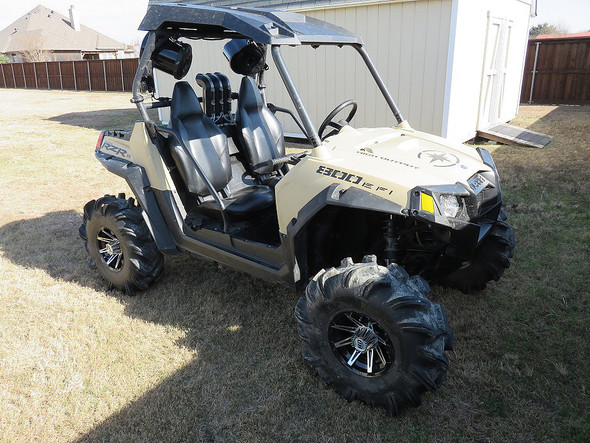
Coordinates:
105	236
344	342
353	358
352	319
380	355
343	328
103	251
111	258
118	261
370	361
380	339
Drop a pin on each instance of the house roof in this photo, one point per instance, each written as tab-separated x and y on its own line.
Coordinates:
51	31
288	5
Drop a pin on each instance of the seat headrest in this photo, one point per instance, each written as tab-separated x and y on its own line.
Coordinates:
249	94
184	101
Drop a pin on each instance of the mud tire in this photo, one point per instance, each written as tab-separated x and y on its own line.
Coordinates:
142	264
417	330
491	259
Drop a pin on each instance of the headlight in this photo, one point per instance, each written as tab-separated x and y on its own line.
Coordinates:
449	205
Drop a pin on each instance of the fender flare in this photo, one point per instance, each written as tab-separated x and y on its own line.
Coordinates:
334	195
137	179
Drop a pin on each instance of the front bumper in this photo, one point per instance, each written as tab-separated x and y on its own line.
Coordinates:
479	210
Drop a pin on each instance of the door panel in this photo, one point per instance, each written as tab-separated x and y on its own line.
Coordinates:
495	68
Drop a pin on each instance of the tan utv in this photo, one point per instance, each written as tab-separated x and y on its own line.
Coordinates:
360	222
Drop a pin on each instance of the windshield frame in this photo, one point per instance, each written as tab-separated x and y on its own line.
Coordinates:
312	133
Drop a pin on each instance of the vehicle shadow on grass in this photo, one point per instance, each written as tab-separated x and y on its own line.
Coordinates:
247	378
61	252
102	119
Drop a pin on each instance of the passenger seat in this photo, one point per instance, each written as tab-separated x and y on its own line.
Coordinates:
260	132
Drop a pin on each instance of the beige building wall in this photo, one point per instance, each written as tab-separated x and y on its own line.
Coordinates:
408	42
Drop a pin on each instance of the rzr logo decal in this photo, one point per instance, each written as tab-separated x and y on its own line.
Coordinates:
116	150
439	159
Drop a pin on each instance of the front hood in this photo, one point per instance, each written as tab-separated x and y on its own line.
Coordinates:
388	163
406	157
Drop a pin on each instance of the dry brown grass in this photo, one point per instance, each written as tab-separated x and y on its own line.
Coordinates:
212	354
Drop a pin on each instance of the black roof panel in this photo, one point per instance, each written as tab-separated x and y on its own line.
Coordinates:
262	25
279	4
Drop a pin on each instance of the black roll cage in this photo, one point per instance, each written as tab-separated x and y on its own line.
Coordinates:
145	72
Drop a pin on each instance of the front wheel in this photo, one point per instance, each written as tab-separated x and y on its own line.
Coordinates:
491	259
371	333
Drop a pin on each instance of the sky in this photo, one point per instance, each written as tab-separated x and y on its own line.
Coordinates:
119	19
573	15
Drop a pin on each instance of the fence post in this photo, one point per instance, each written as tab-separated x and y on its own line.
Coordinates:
47	72
3	76
61	81
13	76
89	81
22	68
75	81
534	72
104	71
35	71
122	78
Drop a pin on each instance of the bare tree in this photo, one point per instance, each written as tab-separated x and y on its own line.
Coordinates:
33	49
546	28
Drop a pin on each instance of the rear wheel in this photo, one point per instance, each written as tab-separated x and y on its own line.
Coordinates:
371	333
120	245
491	259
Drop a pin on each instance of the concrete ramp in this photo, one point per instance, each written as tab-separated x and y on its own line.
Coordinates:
513	135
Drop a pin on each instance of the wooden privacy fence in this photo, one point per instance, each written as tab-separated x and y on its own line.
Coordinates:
82	75
557	70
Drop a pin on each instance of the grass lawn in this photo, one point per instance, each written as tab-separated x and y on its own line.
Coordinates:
212	354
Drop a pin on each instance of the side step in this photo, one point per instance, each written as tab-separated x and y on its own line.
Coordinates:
513	135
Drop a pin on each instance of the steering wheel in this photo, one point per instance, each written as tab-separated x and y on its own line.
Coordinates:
341	123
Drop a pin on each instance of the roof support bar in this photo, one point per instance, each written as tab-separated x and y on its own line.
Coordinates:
144	68
312	133
388	98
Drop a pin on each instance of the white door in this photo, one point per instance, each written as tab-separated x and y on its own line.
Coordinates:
495	66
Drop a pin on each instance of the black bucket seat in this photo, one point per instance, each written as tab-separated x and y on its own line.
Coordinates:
260	132
208	145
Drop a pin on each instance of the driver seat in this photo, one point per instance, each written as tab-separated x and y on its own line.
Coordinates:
259	131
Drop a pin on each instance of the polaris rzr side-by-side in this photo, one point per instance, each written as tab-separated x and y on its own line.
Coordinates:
360	222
